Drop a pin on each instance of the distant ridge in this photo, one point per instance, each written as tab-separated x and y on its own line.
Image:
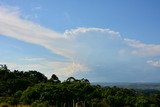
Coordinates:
136	85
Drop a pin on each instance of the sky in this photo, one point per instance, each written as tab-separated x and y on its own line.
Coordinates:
101	40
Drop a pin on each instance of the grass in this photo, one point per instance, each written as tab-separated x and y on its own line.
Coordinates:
21	106
7	105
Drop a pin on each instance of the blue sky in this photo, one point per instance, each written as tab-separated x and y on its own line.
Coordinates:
106	40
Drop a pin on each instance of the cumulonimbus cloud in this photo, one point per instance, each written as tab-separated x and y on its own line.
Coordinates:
83	47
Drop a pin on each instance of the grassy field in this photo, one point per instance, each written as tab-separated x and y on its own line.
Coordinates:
7	105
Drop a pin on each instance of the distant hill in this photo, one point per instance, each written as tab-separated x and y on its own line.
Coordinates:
143	86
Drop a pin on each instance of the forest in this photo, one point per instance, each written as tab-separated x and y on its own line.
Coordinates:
34	89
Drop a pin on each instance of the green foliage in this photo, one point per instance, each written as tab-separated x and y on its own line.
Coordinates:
54	79
33	88
11	82
16	97
142	101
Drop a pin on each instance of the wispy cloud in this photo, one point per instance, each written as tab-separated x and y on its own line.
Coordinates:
23	67
155	63
12	25
66	69
82	30
143	49
32	59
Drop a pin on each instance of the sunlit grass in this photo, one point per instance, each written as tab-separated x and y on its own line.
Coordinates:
21	106
7	105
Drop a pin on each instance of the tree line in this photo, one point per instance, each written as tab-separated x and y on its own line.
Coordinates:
36	90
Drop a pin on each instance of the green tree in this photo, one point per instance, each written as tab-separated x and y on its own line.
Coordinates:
142	101
71	79
54	79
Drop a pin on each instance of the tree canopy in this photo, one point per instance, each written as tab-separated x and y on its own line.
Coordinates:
35	89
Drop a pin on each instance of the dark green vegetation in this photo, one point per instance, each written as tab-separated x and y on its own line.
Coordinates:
33	88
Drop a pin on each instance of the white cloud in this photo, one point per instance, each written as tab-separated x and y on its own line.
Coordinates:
155	63
62	69
32	59
12	25
81	30
142	49
22	67
66	69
